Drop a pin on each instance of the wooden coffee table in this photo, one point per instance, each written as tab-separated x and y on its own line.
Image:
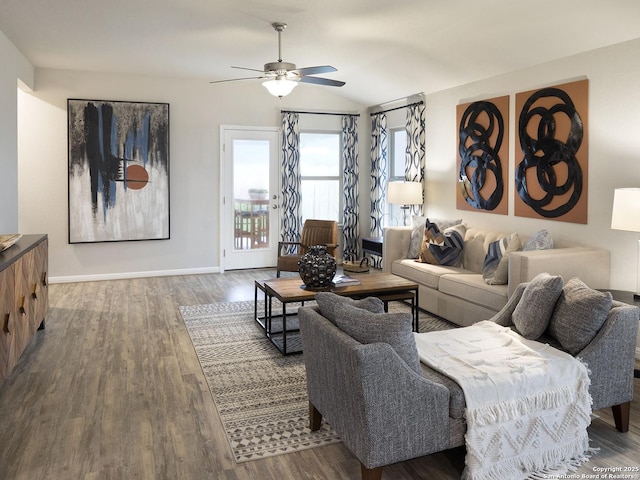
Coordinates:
385	286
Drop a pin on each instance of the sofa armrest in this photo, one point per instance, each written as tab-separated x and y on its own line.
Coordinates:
589	264
610	357
383	410
395	245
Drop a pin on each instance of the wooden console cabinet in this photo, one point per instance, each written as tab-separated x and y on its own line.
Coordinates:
24	298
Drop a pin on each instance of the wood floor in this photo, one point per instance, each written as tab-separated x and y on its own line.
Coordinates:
112	389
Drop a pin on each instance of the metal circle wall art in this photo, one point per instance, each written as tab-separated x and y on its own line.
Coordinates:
482	156
482	132
549	153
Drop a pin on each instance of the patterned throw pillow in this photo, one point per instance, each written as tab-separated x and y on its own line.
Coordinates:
533	312
442	248
396	329
579	315
495	270
540	240
417	232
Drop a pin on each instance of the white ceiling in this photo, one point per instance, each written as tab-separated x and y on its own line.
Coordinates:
383	49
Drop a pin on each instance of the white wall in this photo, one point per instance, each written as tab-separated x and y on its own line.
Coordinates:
197	109
614	148
14	68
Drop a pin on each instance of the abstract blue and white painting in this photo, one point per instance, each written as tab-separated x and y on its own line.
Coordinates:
118	171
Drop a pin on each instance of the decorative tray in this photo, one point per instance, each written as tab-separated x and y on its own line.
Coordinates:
8	240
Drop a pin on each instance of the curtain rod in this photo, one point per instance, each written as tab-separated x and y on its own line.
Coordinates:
320	113
398	108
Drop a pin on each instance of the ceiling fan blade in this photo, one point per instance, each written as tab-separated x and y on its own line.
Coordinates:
322	81
236	79
314	70
250	69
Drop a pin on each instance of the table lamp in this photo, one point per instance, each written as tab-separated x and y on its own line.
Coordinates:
405	194
626	216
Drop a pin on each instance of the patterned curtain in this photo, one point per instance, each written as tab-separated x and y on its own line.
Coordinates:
351	211
378	193
414	163
291	223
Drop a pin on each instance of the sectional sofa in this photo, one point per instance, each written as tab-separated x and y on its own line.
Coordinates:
460	294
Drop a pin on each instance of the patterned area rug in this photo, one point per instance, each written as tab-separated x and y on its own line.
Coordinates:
261	395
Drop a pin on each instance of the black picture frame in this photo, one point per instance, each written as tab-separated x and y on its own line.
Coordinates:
118	177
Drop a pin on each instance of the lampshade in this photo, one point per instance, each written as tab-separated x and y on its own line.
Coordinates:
626	209
280	87
404	193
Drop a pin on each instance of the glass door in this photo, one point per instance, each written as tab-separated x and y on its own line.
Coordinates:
250	197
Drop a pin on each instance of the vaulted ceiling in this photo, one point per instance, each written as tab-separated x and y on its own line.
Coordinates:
382	49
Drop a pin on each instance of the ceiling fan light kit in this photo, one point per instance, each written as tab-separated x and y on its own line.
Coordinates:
280	87
282	77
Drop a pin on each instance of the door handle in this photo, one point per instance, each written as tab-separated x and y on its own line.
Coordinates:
274	206
5	322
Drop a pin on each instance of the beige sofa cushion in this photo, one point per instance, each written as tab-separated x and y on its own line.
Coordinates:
423	273
471	287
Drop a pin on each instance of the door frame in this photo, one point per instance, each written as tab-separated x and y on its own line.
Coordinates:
223	212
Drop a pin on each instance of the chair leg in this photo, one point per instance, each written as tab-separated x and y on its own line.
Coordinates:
278	273
315	418
371	473
621	416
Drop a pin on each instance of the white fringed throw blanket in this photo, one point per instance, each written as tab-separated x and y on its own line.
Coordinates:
528	404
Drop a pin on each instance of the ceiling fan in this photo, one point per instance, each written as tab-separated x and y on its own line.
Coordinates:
282	77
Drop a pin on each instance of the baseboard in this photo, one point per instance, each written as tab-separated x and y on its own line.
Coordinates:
128	275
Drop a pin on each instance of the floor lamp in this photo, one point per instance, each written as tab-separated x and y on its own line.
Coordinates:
626	216
405	194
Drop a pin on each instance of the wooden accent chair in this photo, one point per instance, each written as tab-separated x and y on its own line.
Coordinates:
314	232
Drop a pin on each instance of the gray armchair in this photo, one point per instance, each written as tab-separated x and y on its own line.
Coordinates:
385	412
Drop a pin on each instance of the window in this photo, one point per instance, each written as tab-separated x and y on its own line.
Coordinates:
321	175
397	160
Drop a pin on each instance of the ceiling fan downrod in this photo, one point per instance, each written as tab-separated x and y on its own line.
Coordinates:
280	68
279	27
